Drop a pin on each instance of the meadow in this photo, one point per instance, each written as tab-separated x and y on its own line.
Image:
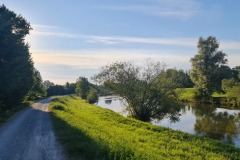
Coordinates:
90	132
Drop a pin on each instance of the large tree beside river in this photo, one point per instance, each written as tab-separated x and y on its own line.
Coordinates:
147	90
206	65
16	66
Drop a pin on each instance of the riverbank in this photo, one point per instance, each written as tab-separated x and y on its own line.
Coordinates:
90	132
189	95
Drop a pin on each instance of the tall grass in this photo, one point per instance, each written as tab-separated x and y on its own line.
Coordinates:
90	132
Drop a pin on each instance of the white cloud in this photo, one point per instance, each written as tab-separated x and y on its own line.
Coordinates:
190	42
183	9
230	45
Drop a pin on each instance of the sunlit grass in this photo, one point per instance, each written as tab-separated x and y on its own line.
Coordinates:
186	94
90	132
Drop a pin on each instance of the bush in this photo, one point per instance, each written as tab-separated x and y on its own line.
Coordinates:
92	96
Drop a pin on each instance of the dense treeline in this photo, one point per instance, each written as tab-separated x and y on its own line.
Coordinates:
18	75
83	88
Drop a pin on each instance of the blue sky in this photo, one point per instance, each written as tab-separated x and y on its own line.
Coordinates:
75	38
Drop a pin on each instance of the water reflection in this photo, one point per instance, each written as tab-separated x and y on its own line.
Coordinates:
217	123
108	101
202	120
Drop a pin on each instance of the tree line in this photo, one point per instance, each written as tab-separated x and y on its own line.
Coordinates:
82	88
19	78
150	89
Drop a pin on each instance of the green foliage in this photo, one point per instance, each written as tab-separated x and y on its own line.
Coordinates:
54	90
233	95
37	91
90	132
223	72
16	66
82	87
92	96
180	78
232	89
47	84
69	88
147	90
227	84
205	64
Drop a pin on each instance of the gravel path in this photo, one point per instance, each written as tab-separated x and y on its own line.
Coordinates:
29	135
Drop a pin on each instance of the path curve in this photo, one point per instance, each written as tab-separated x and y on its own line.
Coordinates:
29	135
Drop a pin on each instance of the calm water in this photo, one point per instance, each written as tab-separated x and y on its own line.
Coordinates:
202	120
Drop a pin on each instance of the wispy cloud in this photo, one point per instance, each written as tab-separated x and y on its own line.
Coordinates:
190	42
230	45
59	32
183	9
85	58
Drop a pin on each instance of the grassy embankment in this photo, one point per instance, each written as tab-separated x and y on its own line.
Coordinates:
90	132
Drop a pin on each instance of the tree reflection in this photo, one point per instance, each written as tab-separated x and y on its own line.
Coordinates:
217	125
108	101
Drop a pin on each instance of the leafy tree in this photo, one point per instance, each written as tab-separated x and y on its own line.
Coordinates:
55	90
180	78
204	65
82	87
223	72
69	88
227	84
92	96
38	90
16	66
47	84
237	72
145	89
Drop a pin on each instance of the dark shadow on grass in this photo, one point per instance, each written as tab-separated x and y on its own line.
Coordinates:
76	143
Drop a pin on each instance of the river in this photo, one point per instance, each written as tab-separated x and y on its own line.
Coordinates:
203	120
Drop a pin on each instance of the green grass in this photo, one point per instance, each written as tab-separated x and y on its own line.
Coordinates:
90	132
186	94
220	95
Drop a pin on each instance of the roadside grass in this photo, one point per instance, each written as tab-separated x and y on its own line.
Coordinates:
90	132
7	114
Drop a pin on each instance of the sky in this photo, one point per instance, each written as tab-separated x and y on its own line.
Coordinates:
76	38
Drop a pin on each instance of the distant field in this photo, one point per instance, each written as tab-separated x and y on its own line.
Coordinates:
90	132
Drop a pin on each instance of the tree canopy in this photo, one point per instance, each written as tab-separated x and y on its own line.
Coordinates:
147	90
205	64
16	66
82	87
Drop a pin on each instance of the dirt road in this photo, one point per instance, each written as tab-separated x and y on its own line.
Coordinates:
29	136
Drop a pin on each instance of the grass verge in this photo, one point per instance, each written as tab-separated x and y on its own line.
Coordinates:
7	114
90	132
